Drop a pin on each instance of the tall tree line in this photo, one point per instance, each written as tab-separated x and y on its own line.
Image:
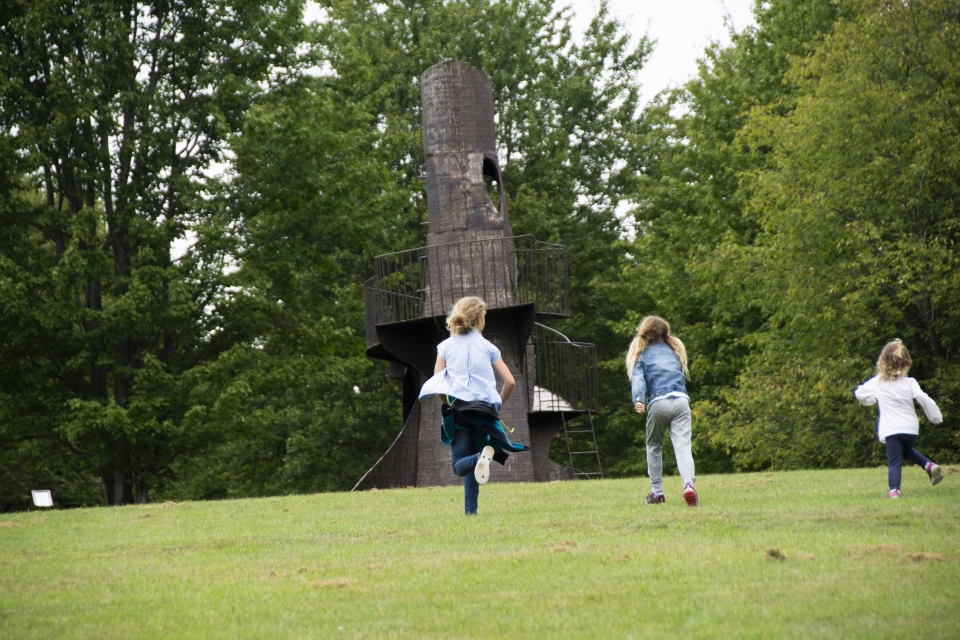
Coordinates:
131	372
858	223
111	113
191	195
799	215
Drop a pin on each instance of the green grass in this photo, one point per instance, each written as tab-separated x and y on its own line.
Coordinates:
565	559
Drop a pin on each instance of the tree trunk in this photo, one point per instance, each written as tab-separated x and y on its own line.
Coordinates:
116	487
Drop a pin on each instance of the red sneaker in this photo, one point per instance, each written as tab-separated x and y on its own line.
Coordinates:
690	495
935	472
894	493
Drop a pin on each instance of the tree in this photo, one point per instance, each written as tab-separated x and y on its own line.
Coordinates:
569	129
300	406
857	205
691	215
238	368
111	113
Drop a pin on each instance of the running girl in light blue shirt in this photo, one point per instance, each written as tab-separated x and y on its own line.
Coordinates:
464	380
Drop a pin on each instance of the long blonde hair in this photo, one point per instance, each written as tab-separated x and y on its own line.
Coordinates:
655	329
466	315
894	361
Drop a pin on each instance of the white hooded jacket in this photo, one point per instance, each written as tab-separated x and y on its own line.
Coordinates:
896	398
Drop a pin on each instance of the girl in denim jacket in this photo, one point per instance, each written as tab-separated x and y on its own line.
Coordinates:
657	366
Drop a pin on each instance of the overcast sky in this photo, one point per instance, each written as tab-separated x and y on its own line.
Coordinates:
682	29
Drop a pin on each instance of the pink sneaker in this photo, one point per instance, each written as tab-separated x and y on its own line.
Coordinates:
935	472
894	493
690	495
655	498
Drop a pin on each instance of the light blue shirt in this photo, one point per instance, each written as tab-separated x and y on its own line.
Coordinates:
469	371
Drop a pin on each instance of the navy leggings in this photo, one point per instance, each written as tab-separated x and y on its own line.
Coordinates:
465	456
900	446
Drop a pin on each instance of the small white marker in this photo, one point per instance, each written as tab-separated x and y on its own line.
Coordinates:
42	498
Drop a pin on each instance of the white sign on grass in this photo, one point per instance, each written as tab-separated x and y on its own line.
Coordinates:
42	498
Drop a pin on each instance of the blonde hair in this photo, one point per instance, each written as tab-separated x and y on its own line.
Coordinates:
894	361
655	329
466	315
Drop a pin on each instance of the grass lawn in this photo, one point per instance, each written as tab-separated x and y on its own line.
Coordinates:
564	559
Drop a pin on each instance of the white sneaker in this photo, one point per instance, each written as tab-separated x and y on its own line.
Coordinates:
482	472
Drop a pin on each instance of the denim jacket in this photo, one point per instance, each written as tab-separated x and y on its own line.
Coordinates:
656	373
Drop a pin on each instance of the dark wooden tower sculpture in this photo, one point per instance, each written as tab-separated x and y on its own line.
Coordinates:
471	250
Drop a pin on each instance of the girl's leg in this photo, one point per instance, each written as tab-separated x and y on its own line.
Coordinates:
463	452
471	494
464	456
934	472
911	454
657	423
681	433
894	460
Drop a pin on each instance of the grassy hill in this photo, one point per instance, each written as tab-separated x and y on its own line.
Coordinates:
811	554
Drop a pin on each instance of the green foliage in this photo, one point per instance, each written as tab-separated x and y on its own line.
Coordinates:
110	115
690	202
307	196
238	368
794	207
857	205
568	127
566	112
800	214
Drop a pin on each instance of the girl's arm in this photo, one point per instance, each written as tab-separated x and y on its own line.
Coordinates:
500	367
930	407
866	393
437	368
638	386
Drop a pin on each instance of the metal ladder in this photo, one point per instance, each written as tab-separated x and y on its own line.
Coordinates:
576	403
586	475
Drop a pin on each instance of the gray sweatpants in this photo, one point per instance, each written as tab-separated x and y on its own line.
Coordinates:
671	414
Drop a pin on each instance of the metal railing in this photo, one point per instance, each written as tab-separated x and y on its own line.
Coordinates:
370	312
564	373
504	272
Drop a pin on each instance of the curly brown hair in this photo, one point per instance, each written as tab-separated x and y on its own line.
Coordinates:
894	361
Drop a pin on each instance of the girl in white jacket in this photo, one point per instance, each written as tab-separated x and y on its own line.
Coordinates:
898	427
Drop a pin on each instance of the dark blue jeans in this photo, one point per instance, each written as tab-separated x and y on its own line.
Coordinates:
465	456
900	446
